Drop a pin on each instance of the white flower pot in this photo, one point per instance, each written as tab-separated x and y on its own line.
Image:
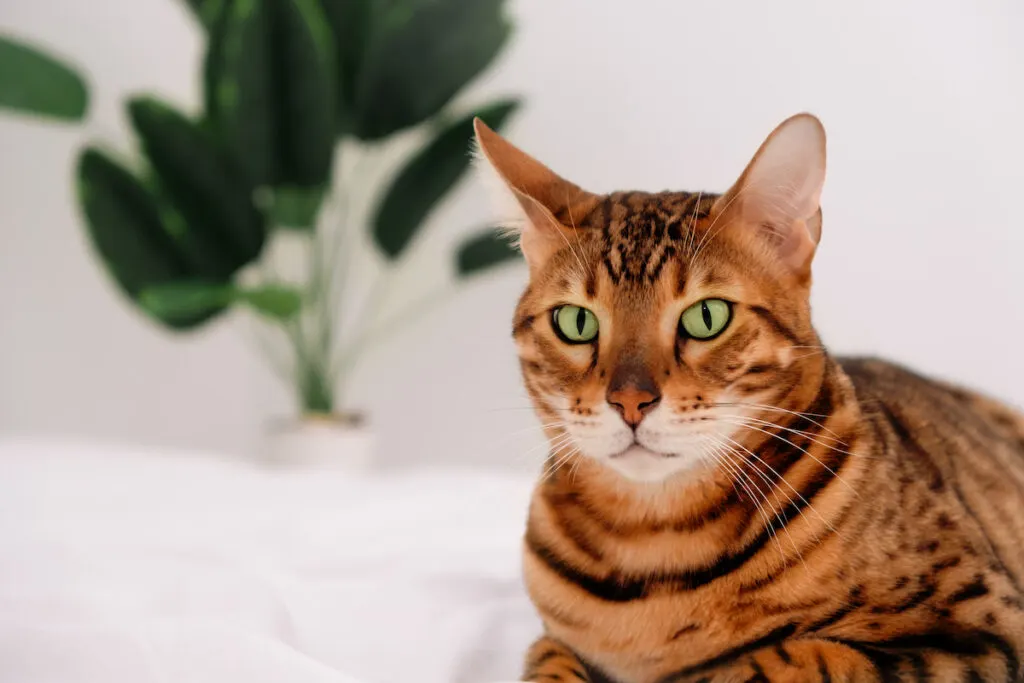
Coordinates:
335	442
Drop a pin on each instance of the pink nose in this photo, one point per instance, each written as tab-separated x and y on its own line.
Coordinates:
633	403
632	389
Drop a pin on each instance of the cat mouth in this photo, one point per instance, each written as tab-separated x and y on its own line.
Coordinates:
637	450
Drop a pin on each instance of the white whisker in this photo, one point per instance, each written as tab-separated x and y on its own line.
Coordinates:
562	460
802	450
568	205
780	514
744	479
783	480
691	235
799	432
553	444
810	437
505	438
762	406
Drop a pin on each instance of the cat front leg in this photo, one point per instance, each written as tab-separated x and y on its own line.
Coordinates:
549	661
833	661
801	661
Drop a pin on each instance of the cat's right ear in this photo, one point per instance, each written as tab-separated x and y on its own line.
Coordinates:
543	206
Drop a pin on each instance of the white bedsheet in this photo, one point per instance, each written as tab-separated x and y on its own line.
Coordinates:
120	565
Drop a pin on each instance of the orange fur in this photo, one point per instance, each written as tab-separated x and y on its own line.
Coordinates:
747	507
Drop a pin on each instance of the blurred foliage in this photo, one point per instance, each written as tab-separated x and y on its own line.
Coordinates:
428	177
185	299
35	83
285	82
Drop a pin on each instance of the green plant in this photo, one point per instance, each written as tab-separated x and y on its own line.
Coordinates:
302	99
37	84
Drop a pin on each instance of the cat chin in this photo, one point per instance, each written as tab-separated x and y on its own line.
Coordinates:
642	465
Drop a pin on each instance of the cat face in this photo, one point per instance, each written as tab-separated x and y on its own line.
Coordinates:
660	332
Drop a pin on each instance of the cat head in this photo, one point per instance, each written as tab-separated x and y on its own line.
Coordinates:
659	330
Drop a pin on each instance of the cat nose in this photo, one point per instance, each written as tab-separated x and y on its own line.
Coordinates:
633	404
633	392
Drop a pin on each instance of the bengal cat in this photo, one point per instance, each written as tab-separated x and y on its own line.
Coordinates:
724	500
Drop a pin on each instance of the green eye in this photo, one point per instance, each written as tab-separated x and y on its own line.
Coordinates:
706	319
575	325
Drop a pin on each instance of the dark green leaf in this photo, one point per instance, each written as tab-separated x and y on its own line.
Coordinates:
125	224
185	299
221	231
419	54
189	298
350	23
239	88
126	230
270	89
35	83
208	12
484	251
428	177
306	51
297	207
273	301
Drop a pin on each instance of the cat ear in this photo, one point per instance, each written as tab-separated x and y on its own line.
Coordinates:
544	206
778	194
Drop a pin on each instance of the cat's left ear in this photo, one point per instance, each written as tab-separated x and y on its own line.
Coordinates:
778	194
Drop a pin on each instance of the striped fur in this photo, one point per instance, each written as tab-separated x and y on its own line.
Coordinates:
787	515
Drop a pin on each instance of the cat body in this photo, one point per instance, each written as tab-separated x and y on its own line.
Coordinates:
724	500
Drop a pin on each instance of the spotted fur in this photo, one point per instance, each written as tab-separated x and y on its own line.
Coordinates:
776	513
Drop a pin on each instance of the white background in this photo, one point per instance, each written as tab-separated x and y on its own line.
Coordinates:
922	235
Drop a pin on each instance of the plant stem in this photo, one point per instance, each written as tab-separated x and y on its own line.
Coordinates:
415	310
364	317
341	252
278	363
312	392
338	252
316	391
319	394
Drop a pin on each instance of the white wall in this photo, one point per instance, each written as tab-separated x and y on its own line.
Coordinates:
922	239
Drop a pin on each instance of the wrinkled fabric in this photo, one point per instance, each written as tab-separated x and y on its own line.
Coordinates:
134	566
